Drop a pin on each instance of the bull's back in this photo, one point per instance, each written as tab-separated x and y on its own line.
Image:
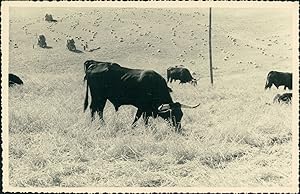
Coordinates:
148	85
142	79
186	74
175	73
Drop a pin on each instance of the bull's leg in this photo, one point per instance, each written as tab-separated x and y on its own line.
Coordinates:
93	114
93	110
100	114
100	106
137	116
154	115
146	116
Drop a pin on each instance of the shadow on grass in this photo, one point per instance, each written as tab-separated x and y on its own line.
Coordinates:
76	51
94	49
48	47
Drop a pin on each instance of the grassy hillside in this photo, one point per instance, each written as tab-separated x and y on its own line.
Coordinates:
235	137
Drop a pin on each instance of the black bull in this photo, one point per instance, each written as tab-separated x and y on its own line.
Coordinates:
279	79
144	89
180	73
13	80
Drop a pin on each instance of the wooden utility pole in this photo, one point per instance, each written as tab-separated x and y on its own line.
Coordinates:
209	44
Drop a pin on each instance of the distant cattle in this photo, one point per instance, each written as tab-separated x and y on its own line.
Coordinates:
279	79
42	41
14	80
49	18
144	89
286	98
71	44
180	73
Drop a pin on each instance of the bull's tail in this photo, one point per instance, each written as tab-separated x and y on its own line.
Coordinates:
86	100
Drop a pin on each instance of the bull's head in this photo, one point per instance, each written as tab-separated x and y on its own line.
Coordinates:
194	82
173	112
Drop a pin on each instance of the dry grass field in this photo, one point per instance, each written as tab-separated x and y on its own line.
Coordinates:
237	137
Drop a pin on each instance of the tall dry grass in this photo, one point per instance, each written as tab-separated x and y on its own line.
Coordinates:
233	139
236	137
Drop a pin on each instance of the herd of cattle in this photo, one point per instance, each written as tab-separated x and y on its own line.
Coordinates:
147	90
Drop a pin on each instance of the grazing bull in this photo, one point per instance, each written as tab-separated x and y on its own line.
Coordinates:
279	79
13	80
144	89
180	73
286	97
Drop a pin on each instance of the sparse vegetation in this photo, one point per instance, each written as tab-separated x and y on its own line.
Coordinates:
235	138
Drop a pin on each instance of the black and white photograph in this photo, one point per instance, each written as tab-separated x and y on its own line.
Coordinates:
150	96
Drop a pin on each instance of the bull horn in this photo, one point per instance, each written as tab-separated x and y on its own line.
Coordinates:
187	106
164	107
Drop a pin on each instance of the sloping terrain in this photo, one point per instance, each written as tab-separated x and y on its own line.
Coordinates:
237	137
